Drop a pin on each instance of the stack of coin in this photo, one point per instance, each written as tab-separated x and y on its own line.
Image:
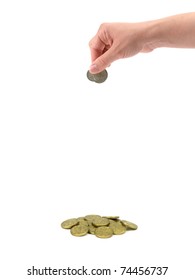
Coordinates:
97	78
100	226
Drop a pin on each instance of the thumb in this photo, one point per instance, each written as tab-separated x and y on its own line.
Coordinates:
102	61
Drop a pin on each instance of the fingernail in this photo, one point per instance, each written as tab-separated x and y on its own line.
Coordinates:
93	68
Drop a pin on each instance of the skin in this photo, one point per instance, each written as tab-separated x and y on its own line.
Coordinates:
115	41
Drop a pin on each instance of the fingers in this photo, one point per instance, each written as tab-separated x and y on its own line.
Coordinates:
101	50
102	61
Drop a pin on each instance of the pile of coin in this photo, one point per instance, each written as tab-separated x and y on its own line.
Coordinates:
97	78
100	226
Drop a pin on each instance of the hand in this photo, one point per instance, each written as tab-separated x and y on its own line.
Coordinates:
114	41
121	40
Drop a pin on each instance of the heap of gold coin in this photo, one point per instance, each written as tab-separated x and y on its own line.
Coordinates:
100	226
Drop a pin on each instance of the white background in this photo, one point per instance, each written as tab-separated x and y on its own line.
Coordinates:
69	147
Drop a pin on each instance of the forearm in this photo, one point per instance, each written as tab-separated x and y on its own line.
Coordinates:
173	32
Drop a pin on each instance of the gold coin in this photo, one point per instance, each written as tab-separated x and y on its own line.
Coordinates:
113	221
129	225
69	223
103	232
98	222
91	228
79	230
117	228
91	217
83	223
101	226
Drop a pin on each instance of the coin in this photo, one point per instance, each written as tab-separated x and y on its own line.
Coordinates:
91	217
79	230
97	78
90	76
69	223
103	232
100	226
91	228
117	228
84	223
98	222
129	225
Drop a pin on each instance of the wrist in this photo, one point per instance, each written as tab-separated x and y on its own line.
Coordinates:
153	35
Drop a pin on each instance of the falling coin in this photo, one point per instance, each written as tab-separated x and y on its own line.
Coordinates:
97	78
